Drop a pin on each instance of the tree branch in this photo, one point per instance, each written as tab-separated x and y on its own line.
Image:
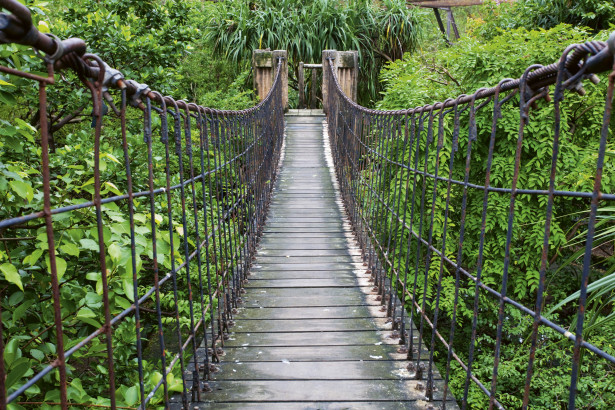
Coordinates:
573	123
67	119
382	54
448	74
17	239
437	81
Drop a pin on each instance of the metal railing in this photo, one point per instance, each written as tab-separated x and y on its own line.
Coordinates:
201	183
408	178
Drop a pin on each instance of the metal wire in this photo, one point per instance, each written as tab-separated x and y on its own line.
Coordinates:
400	175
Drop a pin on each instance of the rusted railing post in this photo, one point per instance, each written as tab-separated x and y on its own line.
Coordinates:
264	63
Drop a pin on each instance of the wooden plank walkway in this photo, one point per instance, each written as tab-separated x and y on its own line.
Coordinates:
310	333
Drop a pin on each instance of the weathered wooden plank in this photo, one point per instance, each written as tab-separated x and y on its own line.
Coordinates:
316	339
305	160
321	230
308	235
299	274
318	178
293	339
313	353
305	212
305	195
334	370
311	219
305	192
338	227
298	206
288	266
316	293
293	245
303	244
319	200
333	312
274	301
321	405
272	326
281	250
305	260
304	202
333	282
326	390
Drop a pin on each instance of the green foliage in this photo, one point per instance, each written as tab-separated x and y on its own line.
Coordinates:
27	308
380	31
214	82
152	42
145	40
595	14
533	14
473	63
601	293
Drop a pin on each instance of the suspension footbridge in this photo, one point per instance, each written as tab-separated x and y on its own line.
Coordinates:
268	260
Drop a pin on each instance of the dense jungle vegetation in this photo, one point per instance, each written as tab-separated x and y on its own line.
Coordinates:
157	43
500	42
201	51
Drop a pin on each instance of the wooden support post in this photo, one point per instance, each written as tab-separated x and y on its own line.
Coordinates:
314	89
346	64
301	81
326	54
264	63
284	56
348	72
451	25
448	22
441	25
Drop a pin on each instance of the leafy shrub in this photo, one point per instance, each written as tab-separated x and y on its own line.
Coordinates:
380	31
149	42
470	64
595	15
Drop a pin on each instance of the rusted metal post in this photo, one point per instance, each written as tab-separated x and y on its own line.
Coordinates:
301	80
264	63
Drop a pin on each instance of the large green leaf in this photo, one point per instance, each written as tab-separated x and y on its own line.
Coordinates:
131	396
11	275
60	266
70	249
23	189
89	244
16	373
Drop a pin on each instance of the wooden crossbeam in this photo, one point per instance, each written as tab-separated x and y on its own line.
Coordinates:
444	3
